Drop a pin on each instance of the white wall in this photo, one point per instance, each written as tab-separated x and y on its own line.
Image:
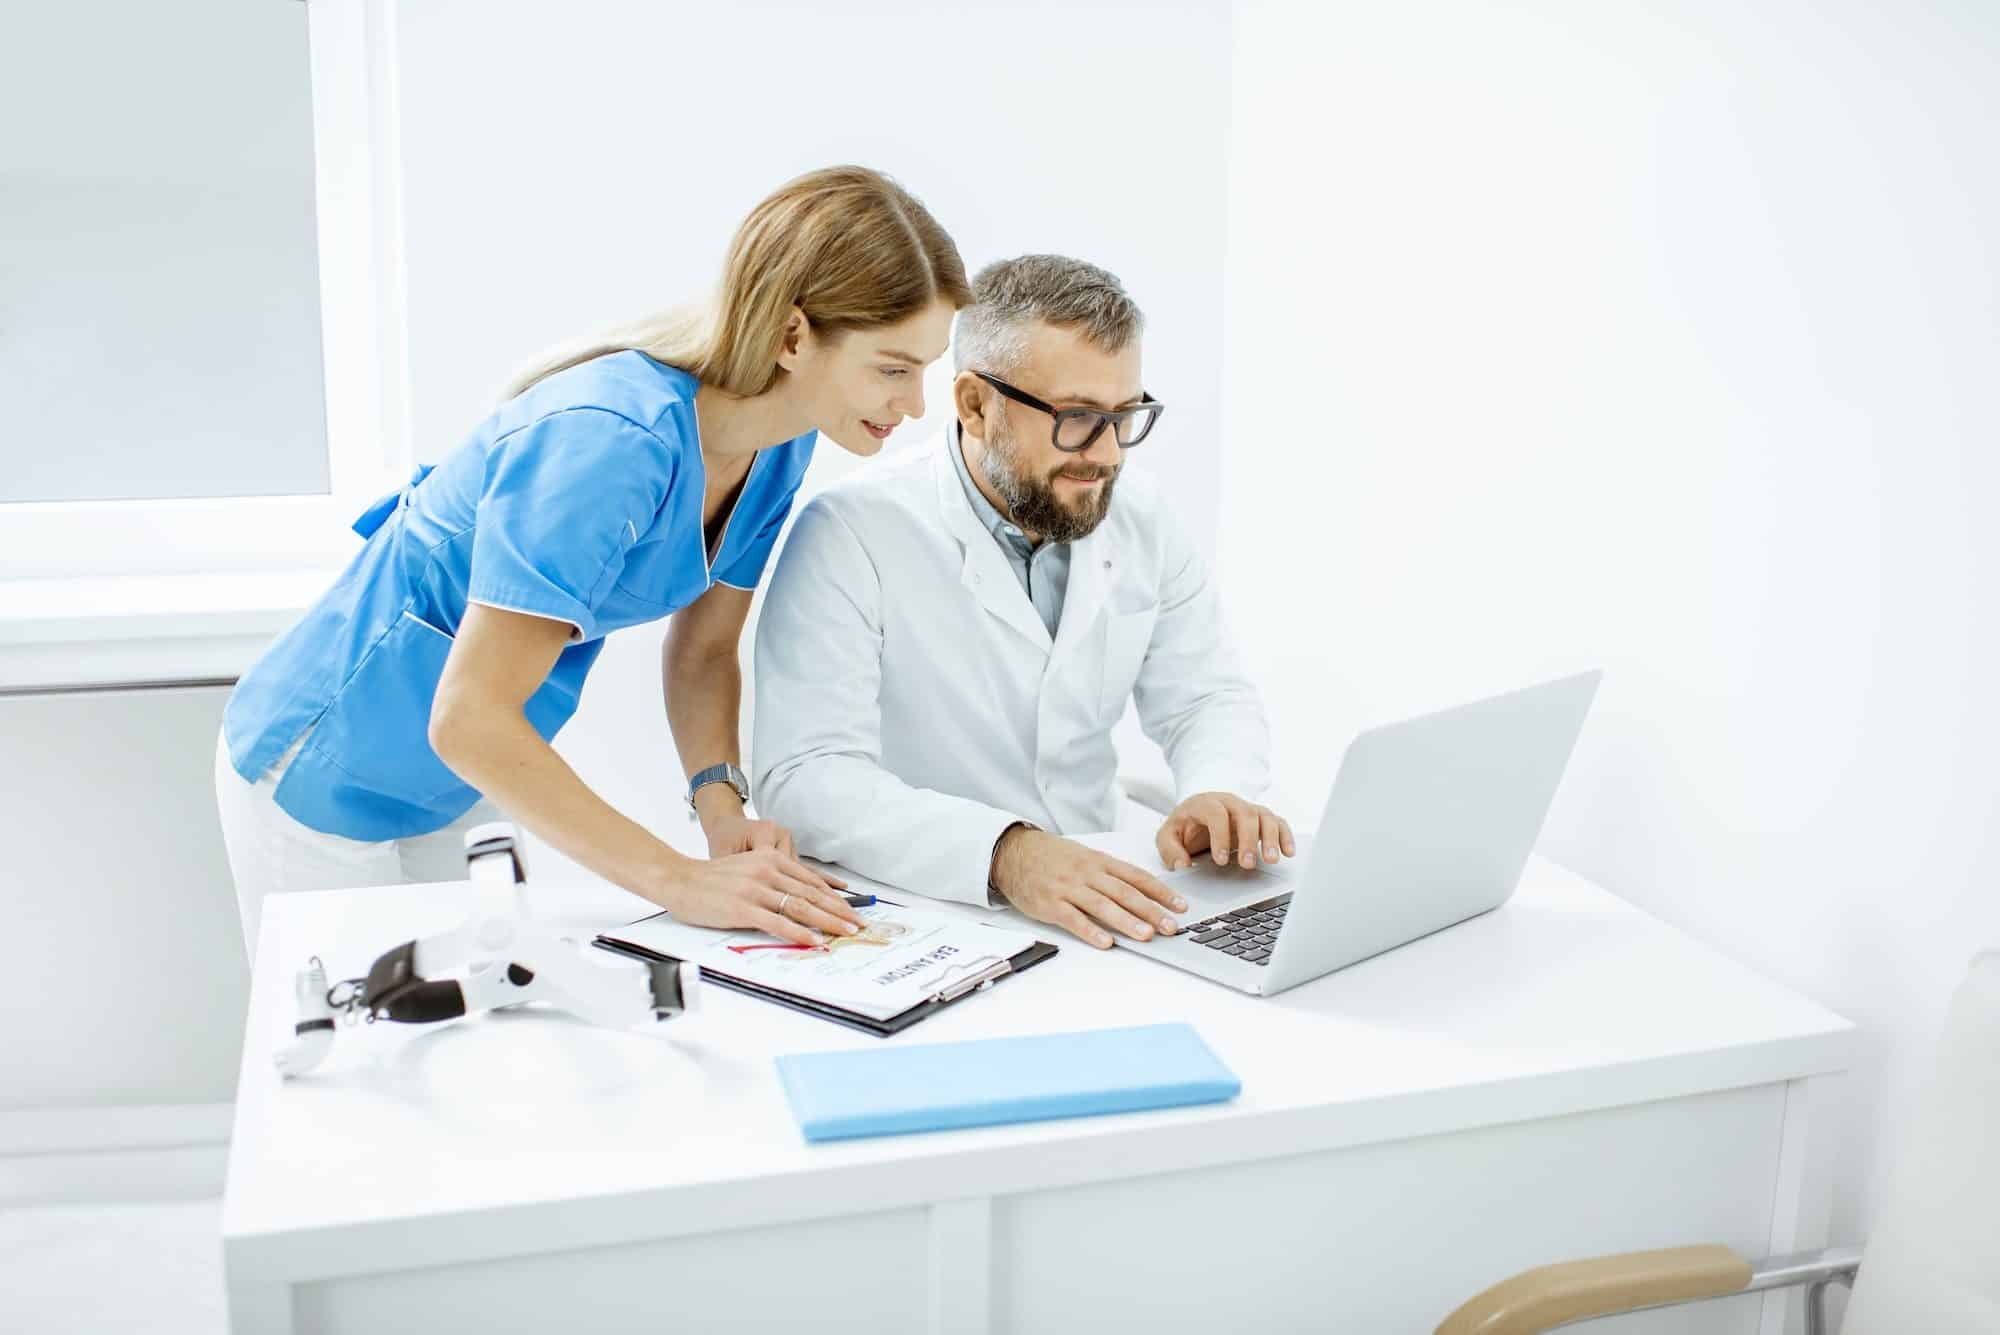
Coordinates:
1663	338
561	176
122	978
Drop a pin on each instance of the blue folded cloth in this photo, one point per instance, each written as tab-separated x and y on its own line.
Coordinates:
939	1086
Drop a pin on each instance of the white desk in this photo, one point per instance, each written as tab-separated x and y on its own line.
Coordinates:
1561	1077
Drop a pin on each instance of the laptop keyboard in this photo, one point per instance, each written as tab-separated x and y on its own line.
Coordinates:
1247	933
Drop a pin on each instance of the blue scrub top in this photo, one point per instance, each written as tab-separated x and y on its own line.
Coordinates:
578	500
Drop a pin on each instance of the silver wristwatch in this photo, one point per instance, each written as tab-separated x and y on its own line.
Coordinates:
725	773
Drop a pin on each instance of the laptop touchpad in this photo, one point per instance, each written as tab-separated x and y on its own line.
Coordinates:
1209	888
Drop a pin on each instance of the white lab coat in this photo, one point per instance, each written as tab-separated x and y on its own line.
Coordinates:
911	704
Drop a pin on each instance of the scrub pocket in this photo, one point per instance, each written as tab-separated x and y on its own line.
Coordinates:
375	733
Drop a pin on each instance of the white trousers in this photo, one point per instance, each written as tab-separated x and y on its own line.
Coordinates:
271	853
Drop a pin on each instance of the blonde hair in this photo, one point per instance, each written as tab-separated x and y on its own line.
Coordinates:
845	245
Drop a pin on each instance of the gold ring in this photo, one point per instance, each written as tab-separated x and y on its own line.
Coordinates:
781	905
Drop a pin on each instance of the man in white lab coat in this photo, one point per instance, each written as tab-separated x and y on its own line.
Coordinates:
948	640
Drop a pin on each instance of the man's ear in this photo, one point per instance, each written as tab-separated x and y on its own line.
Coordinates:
968	396
796	341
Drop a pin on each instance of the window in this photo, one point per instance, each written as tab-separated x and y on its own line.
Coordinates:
161	283
175	400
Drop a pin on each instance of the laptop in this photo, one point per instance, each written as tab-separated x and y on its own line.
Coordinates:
1429	823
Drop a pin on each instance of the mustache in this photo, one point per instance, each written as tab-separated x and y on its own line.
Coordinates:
1087	475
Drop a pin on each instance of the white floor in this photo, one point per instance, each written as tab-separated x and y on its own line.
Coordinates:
149	1268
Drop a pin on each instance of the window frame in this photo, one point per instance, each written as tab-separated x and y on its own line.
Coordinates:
364	351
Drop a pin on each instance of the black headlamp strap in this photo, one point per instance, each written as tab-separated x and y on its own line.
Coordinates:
393	991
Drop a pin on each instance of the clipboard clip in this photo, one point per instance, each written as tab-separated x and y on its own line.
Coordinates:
998	969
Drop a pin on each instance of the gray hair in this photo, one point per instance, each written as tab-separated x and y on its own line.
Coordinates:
1009	296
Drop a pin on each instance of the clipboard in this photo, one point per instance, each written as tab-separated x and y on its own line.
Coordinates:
999	970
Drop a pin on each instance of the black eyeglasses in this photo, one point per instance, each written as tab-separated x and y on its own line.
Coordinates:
1077	428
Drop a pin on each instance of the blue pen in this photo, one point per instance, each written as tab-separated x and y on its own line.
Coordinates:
858	901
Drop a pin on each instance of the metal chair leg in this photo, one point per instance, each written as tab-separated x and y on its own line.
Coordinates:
1816	1303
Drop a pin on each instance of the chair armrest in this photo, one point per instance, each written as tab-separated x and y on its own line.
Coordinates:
1154	791
1555	1295
1827	1265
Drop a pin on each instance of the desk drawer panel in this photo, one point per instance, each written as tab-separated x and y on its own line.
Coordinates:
1391	1237
826	1276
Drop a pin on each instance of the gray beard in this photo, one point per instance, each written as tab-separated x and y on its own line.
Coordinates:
1032	502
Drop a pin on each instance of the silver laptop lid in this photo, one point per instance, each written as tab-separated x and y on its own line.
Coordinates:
1429	823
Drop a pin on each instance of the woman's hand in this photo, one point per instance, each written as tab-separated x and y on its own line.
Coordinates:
765	889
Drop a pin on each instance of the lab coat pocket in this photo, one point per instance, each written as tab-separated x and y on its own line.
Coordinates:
1126	636
376	730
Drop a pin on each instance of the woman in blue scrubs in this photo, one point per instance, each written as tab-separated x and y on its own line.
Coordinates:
624	481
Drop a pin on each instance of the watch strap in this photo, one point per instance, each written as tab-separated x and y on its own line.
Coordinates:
724	773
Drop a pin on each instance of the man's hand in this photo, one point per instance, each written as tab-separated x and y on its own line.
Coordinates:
1059	881
1224	826
729	828
739	834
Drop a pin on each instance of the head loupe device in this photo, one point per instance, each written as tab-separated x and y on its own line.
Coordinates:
502	956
